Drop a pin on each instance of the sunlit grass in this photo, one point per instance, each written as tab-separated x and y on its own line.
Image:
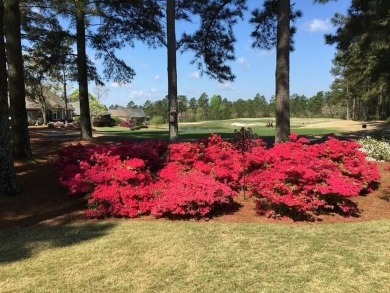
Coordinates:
126	256
225	128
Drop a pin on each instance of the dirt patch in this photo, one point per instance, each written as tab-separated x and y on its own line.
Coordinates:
347	125
43	200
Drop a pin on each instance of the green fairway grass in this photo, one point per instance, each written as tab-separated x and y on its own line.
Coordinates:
225	128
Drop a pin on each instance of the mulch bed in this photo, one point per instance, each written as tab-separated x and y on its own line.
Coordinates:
43	199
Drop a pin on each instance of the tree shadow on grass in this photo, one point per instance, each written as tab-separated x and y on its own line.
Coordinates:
41	196
22	243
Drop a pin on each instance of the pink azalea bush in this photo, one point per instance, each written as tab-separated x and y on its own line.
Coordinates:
295	178
75	160
195	179
179	193
214	157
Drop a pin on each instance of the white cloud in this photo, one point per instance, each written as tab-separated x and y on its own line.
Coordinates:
226	86
318	25
195	75
144	93
137	93
243	63
157	77
117	85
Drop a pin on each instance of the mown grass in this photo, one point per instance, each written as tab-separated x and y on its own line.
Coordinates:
136	256
225	128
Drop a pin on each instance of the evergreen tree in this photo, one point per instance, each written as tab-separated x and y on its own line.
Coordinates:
282	74
216	107
203	103
362	62
315	104
8	184
182	107
193	104
172	71
16	86
272	28
226	109
260	106
49	64
299	106
212	43
120	22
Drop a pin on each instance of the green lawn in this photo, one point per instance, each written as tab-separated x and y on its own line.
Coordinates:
136	256
225	128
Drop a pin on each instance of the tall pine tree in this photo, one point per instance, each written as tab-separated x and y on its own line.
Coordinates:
16	86
273	29
8	184
212	43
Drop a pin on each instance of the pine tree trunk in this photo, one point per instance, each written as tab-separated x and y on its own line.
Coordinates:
44	112
20	136
348	104
172	71
65	98
8	184
379	104
85	117
282	96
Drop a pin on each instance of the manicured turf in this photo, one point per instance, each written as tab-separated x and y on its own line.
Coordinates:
225	128
136	256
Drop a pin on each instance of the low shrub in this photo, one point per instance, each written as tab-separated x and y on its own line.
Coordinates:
120	188
376	149
76	161
127	124
297	179
114	121
188	194
57	124
213	156
291	179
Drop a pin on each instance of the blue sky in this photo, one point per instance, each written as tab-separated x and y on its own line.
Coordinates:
310	63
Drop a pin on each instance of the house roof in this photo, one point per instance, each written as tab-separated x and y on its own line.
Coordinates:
127	113
30	104
136	113
53	101
119	113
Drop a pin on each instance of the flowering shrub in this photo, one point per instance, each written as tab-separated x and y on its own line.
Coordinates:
57	124
121	188
295	178
127	124
214	157
184	194
376	150
74	157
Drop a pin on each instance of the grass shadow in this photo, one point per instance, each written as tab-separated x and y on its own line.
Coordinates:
22	243
41	196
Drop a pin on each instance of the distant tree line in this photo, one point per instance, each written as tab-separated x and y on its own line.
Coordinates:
362	62
322	104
